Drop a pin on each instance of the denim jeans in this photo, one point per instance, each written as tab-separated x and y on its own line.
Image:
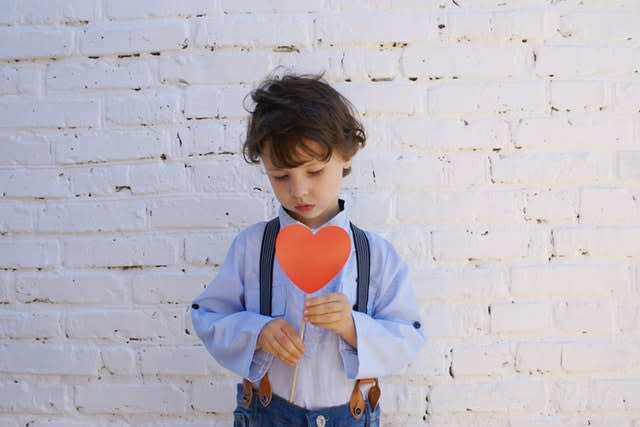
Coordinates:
281	413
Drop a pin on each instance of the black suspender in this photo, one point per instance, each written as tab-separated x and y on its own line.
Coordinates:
363	260
267	256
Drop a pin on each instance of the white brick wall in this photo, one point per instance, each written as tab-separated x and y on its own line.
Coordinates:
503	162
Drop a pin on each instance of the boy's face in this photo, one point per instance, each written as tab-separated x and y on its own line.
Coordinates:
309	191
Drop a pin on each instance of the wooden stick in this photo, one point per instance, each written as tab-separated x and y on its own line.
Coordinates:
295	372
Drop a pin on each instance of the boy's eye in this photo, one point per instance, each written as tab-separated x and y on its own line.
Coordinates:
316	172
279	177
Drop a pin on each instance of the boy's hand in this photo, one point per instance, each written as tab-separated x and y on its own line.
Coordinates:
332	312
280	339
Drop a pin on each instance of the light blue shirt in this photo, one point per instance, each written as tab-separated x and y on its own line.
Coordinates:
226	317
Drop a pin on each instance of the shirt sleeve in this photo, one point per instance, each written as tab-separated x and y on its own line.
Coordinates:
390	334
221	320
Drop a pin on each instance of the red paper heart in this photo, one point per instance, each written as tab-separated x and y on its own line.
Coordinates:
312	260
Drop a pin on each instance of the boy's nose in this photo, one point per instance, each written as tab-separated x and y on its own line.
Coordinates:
298	188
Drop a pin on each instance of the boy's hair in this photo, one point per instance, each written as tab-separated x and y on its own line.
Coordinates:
294	108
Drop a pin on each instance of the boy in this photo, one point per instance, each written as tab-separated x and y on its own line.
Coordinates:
305	134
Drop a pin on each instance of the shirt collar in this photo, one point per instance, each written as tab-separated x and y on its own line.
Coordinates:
341	219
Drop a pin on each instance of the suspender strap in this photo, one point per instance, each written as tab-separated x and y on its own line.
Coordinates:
268	252
363	260
267	255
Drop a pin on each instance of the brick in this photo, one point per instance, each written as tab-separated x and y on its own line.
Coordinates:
609	205
477	245
627	96
455	320
373	27
34	183
597	26
369	210
52	11
215	68
384	97
521	318
98	180
24	149
19	43
570	282
125	325
122	251
497	396
615	394
557	168
432	359
505	97
167	288
143	108
575	130
205	212
601	242
208	249
93	216
405	398
98	74
577	95
122	38
255	30
459	283
178	361
584	318
551	206
485	360
7	287
460	207
106	145
130	399
628	317
584	61
203	390
70	287
365	65
422	172
203	138
215	102
125	10
270	6
226	174
22	397
26	358
627	165
16	217
29	253
571	395
538	357
19	79
466	61
157	177
51	112
120	361
39	325
461	27
609	356
138	179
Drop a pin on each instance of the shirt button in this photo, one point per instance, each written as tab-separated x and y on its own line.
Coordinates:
321	421
416	325
195	306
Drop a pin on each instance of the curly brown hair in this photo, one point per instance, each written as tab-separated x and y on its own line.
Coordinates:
292	109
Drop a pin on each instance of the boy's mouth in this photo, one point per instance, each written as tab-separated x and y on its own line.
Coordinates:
303	208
